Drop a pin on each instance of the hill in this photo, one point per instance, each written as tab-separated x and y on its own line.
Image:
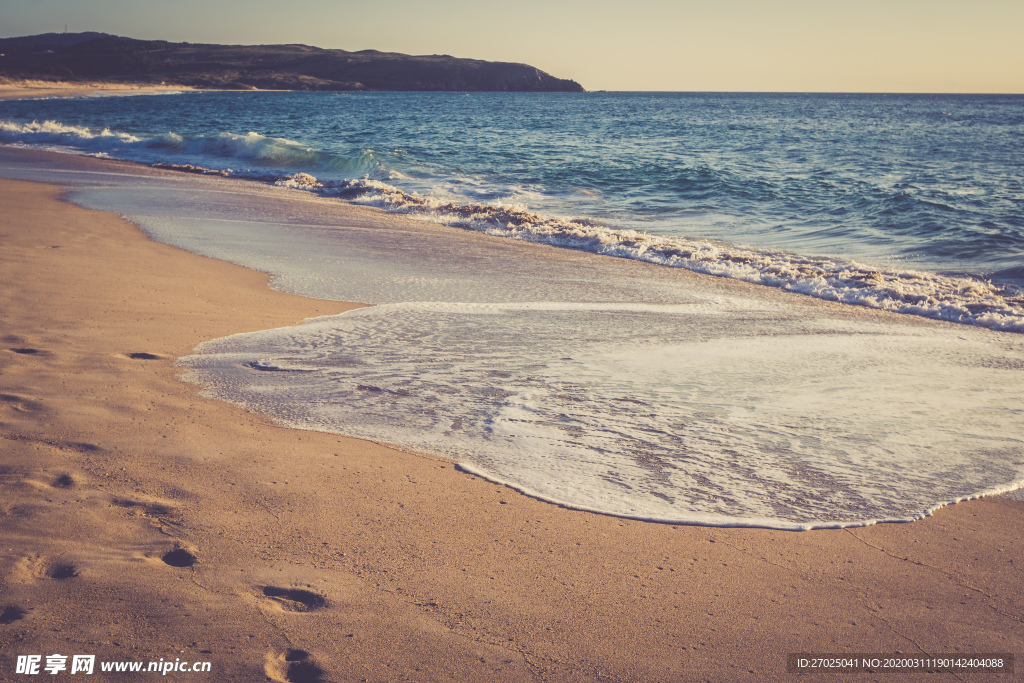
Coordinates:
103	57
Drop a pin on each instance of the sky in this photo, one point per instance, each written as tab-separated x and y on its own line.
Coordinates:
680	45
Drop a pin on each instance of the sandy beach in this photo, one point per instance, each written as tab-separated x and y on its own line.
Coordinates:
143	522
30	89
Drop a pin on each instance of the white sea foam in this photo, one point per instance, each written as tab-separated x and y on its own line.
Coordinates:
54	133
300	181
670	413
959	299
269	157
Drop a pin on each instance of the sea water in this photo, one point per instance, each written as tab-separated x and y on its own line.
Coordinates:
620	385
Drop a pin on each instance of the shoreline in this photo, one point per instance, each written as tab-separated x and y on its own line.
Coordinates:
367	216
34	89
979	299
378	563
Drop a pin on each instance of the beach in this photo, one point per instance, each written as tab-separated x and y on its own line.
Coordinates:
31	89
142	521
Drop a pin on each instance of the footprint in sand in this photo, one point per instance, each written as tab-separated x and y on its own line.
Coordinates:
62	570
144	356
293	599
11	614
179	557
43	567
293	666
64	481
150	508
81	447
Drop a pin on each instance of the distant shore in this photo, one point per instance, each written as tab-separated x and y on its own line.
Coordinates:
92	55
28	89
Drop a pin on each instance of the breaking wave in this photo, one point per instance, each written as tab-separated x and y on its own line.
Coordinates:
956	298
219	152
54	133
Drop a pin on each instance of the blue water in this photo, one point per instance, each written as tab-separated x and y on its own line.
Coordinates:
918	180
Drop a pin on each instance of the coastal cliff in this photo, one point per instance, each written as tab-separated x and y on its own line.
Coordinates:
100	56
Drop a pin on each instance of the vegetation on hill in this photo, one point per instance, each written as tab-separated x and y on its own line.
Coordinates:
103	57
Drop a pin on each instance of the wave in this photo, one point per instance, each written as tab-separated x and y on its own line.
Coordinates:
54	133
221	151
956	298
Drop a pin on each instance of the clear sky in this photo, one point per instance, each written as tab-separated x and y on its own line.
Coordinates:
738	45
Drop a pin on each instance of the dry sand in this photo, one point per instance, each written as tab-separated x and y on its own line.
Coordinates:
10	89
319	557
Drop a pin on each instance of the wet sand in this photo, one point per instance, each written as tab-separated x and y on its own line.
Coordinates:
141	521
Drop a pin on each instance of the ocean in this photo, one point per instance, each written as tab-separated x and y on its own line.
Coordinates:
781	310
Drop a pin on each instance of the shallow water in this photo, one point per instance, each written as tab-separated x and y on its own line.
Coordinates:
725	410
